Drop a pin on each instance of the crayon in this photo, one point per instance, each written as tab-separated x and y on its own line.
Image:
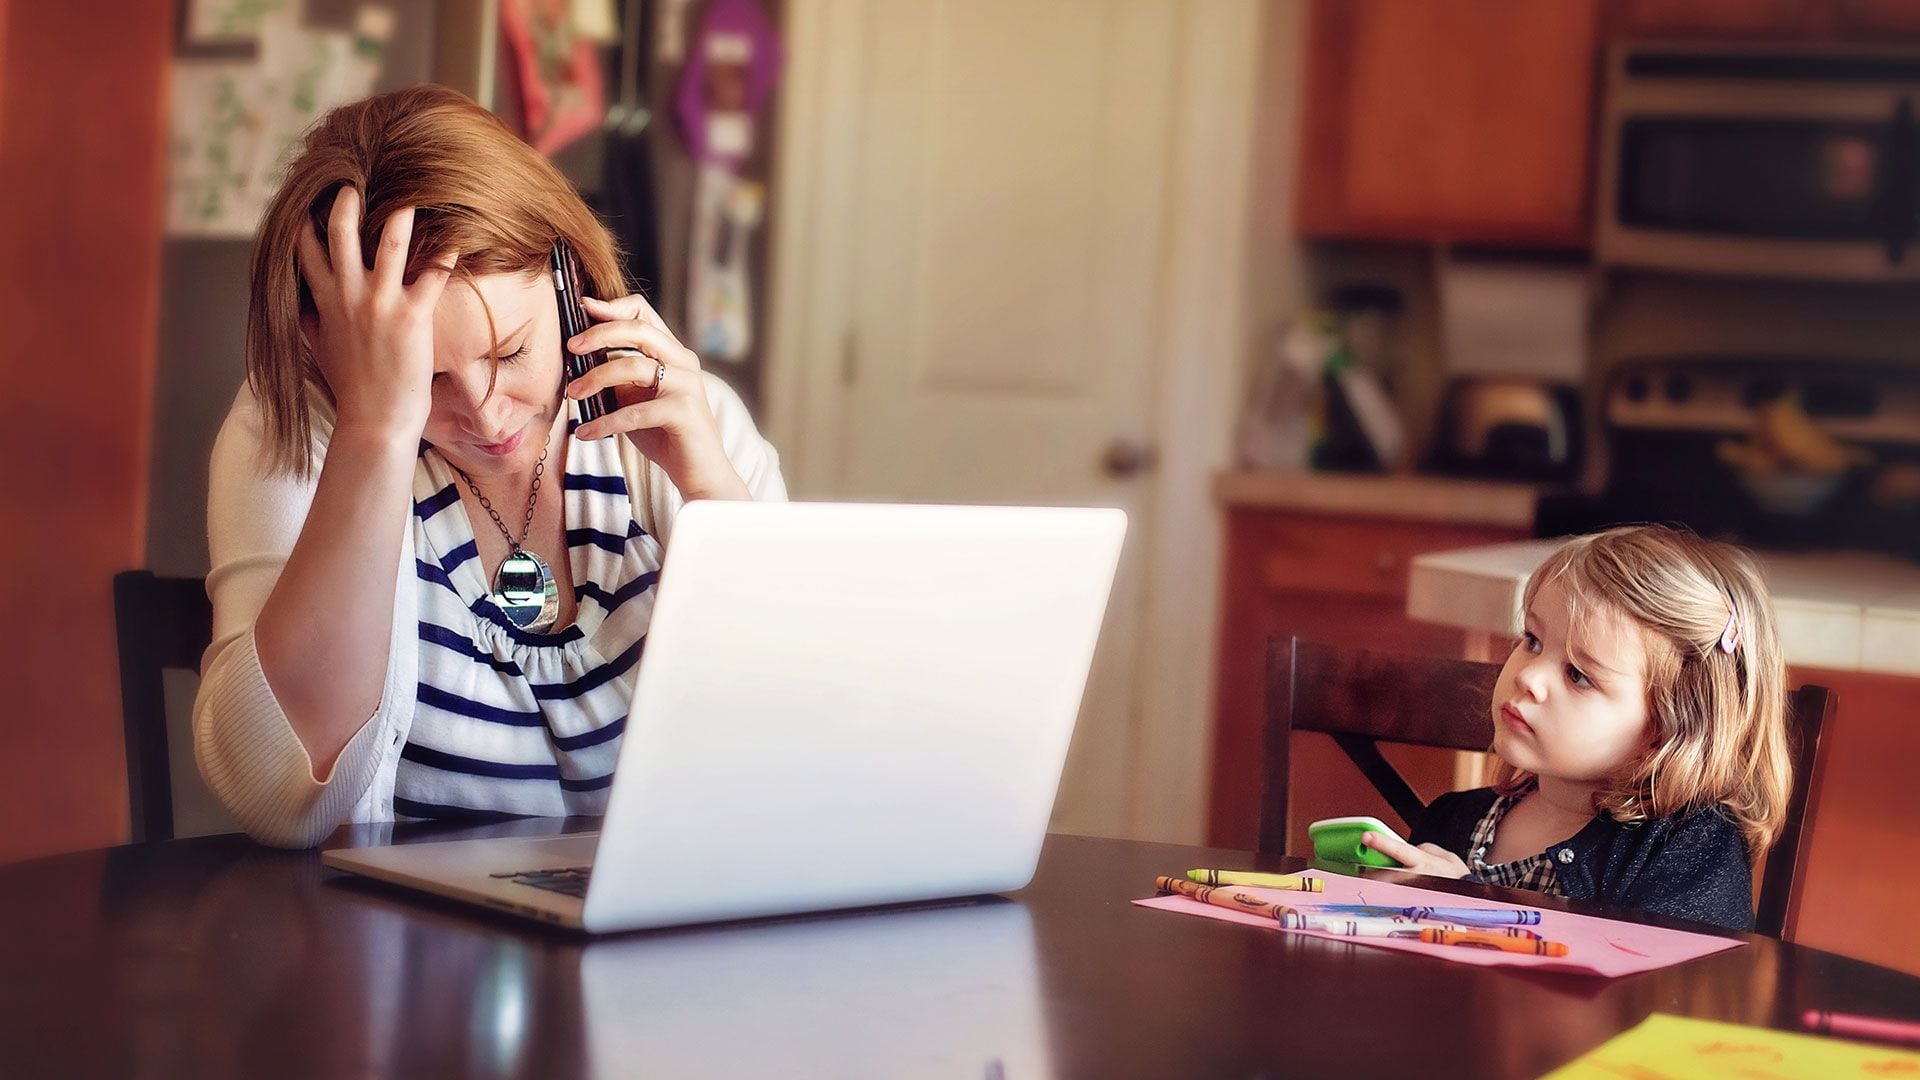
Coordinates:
1296	882
1226	898
1397	926
1862	1027
1471	916
1480	939
1432	935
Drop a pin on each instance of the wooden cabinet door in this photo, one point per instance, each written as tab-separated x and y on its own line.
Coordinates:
1448	122
83	155
1877	19
1725	19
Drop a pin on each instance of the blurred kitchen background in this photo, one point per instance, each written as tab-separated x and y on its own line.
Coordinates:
1346	302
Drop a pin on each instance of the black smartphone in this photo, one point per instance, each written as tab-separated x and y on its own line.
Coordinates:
573	320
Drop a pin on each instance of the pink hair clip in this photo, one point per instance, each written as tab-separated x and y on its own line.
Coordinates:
1730	637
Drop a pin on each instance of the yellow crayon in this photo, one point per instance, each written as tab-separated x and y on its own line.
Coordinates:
1296	882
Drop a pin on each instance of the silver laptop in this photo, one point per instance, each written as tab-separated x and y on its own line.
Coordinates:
839	705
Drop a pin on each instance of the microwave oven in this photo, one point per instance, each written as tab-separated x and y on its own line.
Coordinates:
1761	161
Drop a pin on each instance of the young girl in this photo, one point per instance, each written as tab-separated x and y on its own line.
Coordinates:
1640	724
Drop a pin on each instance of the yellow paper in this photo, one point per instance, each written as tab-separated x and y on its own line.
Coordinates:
1674	1046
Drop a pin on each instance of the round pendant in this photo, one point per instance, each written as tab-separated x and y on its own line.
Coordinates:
525	590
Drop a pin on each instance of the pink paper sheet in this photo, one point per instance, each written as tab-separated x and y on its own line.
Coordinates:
1595	946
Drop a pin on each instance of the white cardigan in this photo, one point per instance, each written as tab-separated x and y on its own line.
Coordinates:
247	752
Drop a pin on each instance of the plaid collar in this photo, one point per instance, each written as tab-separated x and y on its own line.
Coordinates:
1534	872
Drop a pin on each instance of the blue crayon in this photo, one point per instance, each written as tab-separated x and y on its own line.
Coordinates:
1465	916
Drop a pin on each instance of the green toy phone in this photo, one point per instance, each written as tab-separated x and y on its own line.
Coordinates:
1337	839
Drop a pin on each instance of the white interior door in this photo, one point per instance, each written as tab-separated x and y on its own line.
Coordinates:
1003	199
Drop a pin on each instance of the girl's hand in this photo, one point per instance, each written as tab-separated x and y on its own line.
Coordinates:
1429	859
373	337
662	395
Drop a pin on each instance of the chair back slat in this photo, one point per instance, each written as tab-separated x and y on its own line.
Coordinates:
160	623
1777	910
1360	696
1422	700
1366	756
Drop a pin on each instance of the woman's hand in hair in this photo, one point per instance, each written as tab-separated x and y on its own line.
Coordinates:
671	421
373	334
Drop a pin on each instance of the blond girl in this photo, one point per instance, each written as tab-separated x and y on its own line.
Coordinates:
1641	731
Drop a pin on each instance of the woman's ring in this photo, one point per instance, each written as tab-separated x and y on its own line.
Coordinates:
659	377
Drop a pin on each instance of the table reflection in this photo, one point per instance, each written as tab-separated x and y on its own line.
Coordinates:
948	991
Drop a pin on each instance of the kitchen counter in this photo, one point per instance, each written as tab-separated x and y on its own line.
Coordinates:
1403	497
1842	611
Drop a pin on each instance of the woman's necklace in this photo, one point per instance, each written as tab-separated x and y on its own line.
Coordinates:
523	587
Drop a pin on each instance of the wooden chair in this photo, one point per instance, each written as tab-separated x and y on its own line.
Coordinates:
161	623
1362	697
1809	711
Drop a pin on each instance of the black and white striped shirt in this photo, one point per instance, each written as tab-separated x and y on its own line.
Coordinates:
508	722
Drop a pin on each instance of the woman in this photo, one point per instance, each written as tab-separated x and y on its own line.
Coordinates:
401	480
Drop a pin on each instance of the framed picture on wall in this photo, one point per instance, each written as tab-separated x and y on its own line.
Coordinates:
222	29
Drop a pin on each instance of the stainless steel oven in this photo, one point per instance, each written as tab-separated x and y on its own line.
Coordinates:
1761	161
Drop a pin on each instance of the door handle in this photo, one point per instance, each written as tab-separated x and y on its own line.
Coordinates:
1125	458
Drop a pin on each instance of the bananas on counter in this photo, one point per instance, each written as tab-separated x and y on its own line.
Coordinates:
1785	440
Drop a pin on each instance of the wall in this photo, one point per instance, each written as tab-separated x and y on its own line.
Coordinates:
1235	238
82	99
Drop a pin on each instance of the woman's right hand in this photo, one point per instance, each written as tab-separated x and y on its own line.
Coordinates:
373	337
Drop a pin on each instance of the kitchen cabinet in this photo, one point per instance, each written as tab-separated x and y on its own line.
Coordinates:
1473	122
1730	19
1337	577
1877	19
1449	122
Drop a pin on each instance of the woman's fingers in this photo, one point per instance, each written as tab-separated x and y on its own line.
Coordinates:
640	416
628	308
390	253
630	334
624	369
311	259
432	280
343	241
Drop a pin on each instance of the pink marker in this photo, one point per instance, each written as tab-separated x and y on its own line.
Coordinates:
1861	1027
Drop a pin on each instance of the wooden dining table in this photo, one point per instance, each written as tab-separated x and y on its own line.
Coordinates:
216	957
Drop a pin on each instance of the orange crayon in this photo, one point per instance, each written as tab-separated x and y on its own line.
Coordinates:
1480	939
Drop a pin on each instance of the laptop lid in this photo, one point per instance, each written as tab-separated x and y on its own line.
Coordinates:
845	704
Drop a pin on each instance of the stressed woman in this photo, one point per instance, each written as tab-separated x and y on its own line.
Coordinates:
431	583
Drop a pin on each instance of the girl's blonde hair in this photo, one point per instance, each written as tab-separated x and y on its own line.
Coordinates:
1719	717
478	190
